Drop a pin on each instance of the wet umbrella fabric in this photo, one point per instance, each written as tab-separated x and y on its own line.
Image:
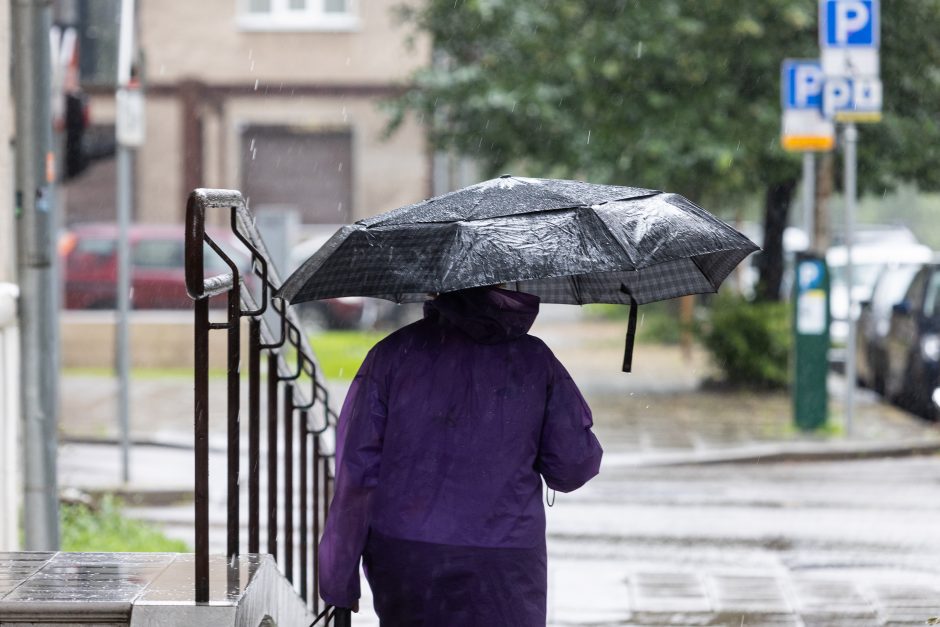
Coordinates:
564	241
446	432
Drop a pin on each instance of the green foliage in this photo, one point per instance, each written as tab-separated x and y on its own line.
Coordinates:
106	529
673	94
342	352
749	342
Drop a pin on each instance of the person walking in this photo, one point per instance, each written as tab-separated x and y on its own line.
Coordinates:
447	431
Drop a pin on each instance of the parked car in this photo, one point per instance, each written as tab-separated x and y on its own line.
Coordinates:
867	261
874	322
913	342
89	259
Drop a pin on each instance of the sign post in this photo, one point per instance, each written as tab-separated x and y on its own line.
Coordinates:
849	37
807	130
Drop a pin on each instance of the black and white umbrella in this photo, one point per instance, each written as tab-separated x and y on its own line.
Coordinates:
565	241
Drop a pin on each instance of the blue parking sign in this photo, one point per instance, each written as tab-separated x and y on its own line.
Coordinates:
803	82
849	23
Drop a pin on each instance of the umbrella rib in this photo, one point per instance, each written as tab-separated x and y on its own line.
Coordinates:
614	237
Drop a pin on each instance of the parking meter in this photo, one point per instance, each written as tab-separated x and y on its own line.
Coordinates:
811	342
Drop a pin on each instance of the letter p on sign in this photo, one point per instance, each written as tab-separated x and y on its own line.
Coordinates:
850	23
851	17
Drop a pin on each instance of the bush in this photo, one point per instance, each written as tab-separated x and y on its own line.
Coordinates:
749	342
106	529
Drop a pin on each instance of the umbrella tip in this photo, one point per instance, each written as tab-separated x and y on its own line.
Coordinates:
505	176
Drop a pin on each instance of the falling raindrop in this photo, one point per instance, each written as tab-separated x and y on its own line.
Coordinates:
339	207
589	136
639	50
340	168
256	84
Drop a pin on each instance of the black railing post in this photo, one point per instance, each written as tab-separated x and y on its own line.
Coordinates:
254	433
303	470
289	482
272	452
201	448
315	462
234	409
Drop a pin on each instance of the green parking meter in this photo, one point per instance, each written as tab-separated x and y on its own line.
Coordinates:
811	342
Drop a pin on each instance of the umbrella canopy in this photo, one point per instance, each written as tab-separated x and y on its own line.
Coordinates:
564	241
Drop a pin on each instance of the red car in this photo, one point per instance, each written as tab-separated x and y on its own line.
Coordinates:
89	260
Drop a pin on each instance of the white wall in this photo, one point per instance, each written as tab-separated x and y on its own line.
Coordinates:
10	486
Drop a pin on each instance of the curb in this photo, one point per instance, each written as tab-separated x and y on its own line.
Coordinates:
774	453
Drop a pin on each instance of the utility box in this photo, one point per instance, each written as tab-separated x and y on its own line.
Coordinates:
811	342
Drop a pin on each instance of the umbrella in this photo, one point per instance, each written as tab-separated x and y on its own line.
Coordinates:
565	241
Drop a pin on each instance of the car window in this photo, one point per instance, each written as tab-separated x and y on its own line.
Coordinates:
891	286
915	292
932	295
99	247
863	274
158	254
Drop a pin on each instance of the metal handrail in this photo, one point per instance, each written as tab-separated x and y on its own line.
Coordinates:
285	402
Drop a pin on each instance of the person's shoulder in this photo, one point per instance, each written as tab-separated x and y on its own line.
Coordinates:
536	346
396	339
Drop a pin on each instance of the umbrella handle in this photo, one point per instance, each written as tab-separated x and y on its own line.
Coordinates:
631	331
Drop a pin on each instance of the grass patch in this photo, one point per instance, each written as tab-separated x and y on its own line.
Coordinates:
106	529
342	352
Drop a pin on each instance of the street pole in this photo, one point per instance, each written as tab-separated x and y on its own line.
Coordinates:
124	200
36	264
809	196
850	136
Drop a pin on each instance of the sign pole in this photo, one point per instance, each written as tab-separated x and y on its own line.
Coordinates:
124	201
809	196
36	216
850	137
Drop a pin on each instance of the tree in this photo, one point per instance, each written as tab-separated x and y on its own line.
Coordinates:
673	94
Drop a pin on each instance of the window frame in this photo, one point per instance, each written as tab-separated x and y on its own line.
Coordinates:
281	18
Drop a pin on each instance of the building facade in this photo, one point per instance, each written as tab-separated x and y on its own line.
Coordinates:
277	98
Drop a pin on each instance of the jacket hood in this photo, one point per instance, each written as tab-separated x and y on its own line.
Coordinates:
489	315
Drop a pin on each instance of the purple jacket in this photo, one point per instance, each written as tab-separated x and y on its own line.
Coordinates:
446	433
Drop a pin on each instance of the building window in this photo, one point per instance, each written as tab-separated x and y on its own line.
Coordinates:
298	15
306	170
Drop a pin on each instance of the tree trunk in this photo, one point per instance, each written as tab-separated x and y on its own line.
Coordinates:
776	211
824	184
